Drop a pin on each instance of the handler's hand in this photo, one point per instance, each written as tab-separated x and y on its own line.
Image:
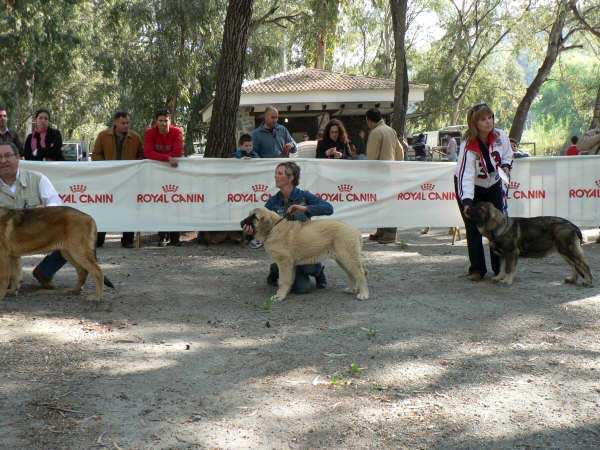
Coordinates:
173	161
297	209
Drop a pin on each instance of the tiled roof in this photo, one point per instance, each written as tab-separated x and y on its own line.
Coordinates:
308	79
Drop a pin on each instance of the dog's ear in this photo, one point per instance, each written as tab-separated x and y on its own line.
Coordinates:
265	220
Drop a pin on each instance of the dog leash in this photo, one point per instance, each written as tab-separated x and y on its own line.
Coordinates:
285	216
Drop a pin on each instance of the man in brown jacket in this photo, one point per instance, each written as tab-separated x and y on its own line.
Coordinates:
118	143
382	145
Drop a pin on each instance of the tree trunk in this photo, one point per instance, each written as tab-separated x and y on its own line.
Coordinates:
398	8
555	43
596	116
320	51
230	73
455	111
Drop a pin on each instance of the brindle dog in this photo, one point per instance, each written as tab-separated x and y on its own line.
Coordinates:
40	230
511	237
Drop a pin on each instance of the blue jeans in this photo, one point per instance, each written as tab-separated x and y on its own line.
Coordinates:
51	264
302	283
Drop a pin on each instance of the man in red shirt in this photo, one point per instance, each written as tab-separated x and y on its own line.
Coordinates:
164	142
573	150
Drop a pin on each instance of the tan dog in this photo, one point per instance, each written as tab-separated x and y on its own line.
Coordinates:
293	243
41	230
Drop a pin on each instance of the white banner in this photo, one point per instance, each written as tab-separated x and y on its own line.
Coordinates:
215	194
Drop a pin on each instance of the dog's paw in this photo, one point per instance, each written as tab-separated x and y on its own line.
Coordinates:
74	291
363	296
570	280
507	281
498	278
278	297
350	290
588	284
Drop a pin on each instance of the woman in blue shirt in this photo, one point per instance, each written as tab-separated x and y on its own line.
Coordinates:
297	204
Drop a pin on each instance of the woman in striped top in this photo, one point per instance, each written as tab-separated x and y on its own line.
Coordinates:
483	167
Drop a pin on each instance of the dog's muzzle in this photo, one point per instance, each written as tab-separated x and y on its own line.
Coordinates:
249	221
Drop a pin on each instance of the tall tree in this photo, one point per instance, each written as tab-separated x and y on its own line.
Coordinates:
594	29
230	72
475	29
557	38
401	87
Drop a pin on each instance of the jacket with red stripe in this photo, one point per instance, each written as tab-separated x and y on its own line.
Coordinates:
471	169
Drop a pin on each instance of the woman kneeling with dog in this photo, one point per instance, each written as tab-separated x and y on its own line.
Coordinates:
485	159
292	203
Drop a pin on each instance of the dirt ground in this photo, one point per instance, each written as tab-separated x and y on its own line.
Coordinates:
189	353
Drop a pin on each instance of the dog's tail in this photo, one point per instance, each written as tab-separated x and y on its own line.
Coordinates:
579	235
108	283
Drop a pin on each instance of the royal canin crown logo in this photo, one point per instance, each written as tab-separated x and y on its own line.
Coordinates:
79	195
75	188
516	192
345	194
259	195
593	193
428	192
170	194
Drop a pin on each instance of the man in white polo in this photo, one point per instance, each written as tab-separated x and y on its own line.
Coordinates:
20	189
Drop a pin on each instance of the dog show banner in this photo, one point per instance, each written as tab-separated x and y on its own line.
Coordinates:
216	194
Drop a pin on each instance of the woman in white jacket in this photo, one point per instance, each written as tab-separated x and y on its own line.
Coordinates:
483	167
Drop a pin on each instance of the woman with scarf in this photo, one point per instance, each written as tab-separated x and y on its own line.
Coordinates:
45	143
483	167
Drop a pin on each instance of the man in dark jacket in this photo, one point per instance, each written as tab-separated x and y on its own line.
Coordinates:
114	144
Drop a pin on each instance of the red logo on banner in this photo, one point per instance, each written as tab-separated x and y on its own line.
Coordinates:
170	194
586	193
259	194
78	188
78	195
427	192
514	193
346	194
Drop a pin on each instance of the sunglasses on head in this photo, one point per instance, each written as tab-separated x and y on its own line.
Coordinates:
479	106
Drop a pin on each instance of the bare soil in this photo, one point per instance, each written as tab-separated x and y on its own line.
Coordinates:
188	352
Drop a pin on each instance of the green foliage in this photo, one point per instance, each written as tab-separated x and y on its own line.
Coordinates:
355	369
85	59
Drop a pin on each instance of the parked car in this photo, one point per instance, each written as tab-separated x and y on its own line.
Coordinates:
74	151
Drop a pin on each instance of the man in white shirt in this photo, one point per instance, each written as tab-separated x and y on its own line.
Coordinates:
21	188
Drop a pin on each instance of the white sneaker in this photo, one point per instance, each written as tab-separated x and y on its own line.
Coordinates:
254	244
